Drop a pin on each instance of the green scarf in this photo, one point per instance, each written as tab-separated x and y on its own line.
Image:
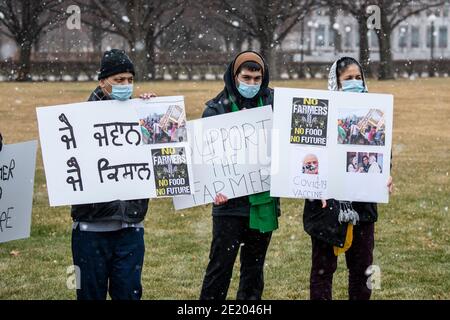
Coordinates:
263	208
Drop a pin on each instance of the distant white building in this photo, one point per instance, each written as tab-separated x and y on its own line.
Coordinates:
411	40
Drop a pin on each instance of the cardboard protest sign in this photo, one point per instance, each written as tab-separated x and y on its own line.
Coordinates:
108	150
17	167
334	145
230	154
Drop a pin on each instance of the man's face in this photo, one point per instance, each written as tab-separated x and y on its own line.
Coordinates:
249	77
365	160
117	79
311	165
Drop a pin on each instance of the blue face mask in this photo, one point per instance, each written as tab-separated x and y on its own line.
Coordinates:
353	86
121	92
248	91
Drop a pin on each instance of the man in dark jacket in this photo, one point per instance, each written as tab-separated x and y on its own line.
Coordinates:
108	238
246	87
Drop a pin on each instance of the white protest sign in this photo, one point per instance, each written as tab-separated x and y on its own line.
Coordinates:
109	150
17	167
333	145
230	154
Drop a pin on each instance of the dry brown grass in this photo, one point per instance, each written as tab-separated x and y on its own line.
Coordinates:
412	235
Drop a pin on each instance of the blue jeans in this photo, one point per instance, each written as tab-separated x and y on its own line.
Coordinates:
109	261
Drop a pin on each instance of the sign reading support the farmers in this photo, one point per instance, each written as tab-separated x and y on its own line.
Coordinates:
331	145
230	154
108	150
17	166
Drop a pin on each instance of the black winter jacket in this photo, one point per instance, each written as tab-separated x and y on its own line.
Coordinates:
324	225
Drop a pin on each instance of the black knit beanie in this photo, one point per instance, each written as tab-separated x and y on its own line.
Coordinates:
115	61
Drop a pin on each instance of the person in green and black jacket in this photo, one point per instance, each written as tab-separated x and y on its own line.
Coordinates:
245	222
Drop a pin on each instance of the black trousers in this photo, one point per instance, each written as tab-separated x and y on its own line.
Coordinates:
358	258
229	234
109	261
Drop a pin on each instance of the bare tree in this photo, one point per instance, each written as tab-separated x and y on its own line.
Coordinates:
269	21
25	21
392	13
140	22
337	38
358	9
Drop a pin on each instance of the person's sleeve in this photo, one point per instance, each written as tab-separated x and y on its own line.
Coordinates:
1	142
391	159
209	112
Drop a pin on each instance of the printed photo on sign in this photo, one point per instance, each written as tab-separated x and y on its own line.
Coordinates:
364	162
310	164
162	123
309	169
361	127
171	171
309	121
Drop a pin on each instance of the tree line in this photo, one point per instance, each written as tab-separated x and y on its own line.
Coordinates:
180	27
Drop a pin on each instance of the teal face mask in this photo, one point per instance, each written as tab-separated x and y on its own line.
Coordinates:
121	92
353	86
248	91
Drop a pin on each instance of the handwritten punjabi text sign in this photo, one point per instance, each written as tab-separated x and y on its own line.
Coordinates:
103	151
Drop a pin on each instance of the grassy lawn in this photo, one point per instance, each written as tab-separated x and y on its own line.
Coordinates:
412	245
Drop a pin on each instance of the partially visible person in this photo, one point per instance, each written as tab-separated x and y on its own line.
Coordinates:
173	133
354	131
365	164
146	136
338	227
353	165
366	134
156	132
181	132
108	238
342	135
374	166
1	142
245	223
378	137
371	135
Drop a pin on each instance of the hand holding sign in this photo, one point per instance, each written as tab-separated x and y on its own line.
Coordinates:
220	199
